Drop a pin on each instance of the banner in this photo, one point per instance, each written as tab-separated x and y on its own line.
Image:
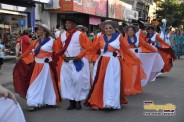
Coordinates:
88	7
84	6
111	8
119	10
101	8
66	5
77	5
94	20
91	7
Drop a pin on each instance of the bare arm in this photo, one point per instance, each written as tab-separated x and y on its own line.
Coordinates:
7	94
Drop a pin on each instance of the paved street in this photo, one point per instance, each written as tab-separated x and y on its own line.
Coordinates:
168	88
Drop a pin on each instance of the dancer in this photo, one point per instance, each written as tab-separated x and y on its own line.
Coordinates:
43	86
73	66
108	86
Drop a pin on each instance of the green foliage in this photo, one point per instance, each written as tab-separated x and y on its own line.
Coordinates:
172	11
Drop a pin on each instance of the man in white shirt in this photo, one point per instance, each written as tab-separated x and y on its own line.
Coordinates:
59	30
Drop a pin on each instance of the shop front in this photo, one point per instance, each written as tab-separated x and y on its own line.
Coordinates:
13	19
90	13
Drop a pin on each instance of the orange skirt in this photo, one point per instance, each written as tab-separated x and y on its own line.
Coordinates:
132	75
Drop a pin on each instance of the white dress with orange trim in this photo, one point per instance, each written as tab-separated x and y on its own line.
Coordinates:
112	76
10	112
165	51
75	85
152	62
166	37
135	73
42	89
109	74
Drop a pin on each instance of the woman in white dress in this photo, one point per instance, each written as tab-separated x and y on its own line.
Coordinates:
43	87
107	91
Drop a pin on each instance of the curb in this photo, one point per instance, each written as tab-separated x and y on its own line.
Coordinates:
9	58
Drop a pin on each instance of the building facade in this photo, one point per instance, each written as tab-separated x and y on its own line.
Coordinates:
16	16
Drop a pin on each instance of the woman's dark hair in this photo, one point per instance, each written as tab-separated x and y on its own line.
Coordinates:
158	30
167	29
132	28
25	32
19	33
178	31
58	26
36	29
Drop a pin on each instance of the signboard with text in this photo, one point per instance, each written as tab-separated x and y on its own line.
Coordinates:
101	8
66	5
84	6
22	22
119	10
94	20
114	9
111	8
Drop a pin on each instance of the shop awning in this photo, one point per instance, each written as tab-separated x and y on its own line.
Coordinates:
12	12
44	1
4	26
25	3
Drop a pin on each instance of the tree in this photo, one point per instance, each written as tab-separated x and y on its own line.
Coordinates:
172	12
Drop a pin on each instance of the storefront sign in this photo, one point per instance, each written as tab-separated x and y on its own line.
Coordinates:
94	20
119	10
111	8
92	7
66	5
22	22
100	8
84	6
77	5
89	7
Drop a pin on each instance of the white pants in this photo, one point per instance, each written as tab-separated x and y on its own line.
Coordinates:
75	85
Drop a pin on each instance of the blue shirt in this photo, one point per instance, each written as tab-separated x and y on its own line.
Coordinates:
1	51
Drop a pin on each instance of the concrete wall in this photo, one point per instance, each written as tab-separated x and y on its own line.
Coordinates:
152	10
45	17
53	21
